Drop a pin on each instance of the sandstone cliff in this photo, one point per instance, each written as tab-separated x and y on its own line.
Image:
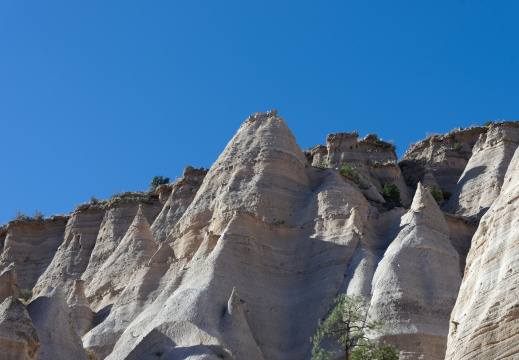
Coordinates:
484	320
241	261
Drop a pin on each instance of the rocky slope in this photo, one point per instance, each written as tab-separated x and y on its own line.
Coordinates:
484	322
241	261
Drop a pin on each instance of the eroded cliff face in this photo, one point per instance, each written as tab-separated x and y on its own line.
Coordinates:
484	322
440	160
375	160
241	261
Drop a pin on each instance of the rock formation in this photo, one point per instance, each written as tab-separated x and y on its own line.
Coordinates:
8	283
482	179
31	244
55	326
442	158
241	261
484	320
375	160
416	282
134	251
80	308
18	337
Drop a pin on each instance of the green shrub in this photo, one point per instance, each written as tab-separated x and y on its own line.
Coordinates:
437	194
94	200
488	123
157	181
323	166
349	170
26	294
391	194
458	146
279	222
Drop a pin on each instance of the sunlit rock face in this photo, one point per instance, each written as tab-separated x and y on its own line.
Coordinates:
32	245
243	260
80	308
55	326
19	339
416	282
484	322
374	158
9	283
481	182
440	159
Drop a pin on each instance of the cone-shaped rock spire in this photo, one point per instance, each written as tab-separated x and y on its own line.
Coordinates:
51	317
135	250
416	282
18	337
80	308
8	283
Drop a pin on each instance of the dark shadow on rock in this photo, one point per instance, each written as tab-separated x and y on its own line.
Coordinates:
102	314
453	204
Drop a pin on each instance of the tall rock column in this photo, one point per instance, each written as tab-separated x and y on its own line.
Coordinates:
8	283
80	308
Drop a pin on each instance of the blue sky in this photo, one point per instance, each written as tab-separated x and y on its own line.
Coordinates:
98	97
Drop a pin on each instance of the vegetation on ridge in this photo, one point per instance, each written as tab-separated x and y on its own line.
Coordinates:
157	181
351	171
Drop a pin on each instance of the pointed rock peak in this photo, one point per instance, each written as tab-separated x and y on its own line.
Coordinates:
51	317
259	120
8	283
423	199
430	180
80	308
260	116
426	211
140	220
18	334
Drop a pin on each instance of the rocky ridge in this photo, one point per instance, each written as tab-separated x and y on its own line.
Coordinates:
241	261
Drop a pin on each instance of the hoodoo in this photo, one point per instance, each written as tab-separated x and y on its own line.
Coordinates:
243	260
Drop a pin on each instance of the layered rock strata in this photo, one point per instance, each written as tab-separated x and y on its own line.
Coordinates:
484	321
18	337
481	181
91	235
375	160
8	283
440	159
243	260
134	251
31	244
80	308
416	282
55	326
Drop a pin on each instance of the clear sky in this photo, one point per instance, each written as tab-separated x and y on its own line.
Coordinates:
100	96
